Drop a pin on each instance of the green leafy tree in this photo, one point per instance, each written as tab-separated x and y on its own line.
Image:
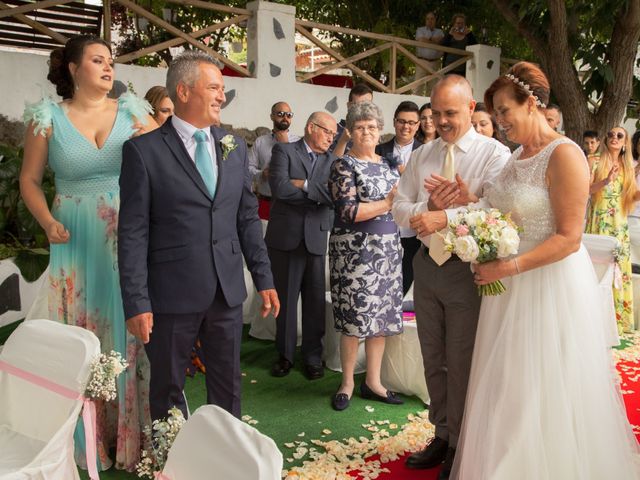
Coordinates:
588	50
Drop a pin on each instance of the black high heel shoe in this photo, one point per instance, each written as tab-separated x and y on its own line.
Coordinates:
391	398
340	401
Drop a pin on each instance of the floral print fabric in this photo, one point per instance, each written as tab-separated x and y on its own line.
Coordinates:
365	268
84	287
606	217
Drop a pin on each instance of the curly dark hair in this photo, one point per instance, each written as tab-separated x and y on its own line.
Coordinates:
60	59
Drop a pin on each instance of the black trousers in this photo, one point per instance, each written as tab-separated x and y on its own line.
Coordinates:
219	330
410	245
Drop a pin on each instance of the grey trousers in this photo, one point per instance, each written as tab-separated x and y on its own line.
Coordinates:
447	307
299	273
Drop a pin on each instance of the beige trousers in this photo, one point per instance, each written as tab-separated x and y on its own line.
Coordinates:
425	88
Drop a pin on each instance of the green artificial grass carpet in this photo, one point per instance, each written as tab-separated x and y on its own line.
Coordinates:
287	407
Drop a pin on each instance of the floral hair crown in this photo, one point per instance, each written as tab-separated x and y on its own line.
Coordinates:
526	87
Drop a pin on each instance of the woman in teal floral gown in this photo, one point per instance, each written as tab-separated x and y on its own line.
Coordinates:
81	139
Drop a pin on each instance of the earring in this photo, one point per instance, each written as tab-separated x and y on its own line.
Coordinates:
623	149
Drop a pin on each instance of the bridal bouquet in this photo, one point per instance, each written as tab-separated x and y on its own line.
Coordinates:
105	368
480	236
160	437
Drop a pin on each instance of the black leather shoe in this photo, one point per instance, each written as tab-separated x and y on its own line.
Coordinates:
448	463
431	456
313	372
281	368
340	401
367	393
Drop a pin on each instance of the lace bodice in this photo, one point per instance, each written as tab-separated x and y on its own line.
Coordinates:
521	190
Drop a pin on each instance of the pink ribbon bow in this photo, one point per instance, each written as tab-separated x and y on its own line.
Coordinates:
88	410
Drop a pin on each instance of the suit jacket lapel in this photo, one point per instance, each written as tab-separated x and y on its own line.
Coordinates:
217	134
304	156
174	142
416	144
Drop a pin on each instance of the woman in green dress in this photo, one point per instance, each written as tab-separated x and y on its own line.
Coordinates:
81	139
613	194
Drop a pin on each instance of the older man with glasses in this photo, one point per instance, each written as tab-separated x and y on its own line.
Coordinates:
260	153
296	238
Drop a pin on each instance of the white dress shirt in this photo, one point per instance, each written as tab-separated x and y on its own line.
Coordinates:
433	36
403	152
260	157
478	160
185	132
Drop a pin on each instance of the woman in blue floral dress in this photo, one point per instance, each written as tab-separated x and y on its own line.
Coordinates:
365	256
81	139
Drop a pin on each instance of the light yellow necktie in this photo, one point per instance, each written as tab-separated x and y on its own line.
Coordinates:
436	244
449	167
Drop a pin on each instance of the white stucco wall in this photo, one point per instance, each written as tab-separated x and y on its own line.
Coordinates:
23	78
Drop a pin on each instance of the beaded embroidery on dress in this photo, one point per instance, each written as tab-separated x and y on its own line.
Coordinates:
521	189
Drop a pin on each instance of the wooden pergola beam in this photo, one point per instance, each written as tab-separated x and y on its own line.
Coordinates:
35	25
129	57
380	36
347	61
212	6
179	33
303	31
106	21
13	11
444	71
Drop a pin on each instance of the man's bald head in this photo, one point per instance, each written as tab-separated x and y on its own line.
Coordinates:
320	131
454	83
452	105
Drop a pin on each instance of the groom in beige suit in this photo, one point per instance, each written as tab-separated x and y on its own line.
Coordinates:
446	299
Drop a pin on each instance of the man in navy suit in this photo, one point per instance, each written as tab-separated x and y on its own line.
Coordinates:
299	223
406	121
187	217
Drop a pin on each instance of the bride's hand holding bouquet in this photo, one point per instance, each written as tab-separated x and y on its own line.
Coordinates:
482	237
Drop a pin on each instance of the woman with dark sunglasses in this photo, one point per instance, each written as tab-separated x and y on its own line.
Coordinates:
613	194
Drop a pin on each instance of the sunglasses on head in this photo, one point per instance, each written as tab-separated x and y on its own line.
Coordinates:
612	135
283	114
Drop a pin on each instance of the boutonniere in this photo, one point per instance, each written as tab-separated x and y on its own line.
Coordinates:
228	144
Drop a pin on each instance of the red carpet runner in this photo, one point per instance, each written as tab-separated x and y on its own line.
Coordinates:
629	369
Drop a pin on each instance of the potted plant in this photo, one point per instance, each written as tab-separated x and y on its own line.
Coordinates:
21	237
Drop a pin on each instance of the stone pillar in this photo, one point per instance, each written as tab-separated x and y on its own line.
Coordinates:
271	49
482	69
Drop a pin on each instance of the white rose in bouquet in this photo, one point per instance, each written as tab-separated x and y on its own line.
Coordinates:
466	248
475	217
508	243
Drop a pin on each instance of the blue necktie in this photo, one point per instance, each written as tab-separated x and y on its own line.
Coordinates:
313	156
204	163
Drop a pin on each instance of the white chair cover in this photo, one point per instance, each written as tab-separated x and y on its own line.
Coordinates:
402	368
215	444
36	424
600	248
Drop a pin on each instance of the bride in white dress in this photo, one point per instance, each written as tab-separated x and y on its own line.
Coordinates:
543	402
